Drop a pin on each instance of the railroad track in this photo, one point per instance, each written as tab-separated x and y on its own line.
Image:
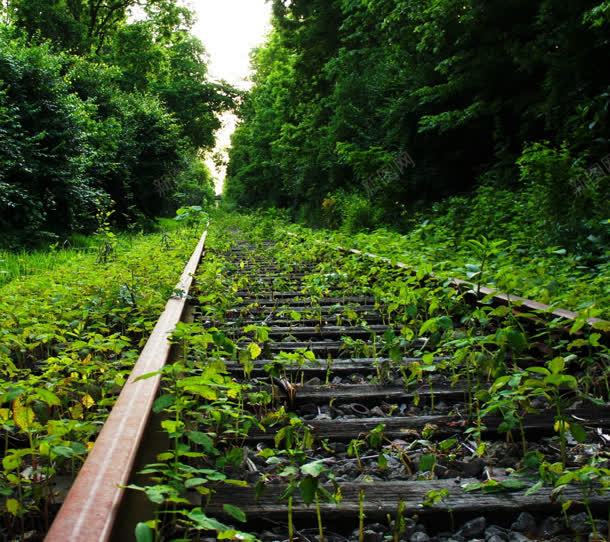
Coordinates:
318	393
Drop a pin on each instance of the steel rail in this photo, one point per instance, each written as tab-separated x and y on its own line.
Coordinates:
92	504
483	291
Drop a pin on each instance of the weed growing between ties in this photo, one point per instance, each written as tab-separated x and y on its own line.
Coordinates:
483	378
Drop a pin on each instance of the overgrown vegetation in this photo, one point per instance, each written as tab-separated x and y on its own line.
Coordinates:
100	112
70	335
467	139
215	401
549	274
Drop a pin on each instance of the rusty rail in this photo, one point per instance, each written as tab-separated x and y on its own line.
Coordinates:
92	504
484	291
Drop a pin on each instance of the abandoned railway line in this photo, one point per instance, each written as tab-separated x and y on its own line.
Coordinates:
311	393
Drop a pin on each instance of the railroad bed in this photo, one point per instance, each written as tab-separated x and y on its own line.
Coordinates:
316	394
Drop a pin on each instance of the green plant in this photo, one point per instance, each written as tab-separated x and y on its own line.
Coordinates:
353	450
556	385
211	415
361	516
511	399
436	496
72	334
400	525
483	250
590	479
107	239
191	215
311	489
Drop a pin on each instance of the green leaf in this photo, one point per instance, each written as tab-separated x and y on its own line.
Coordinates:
569	380
500	382
556	365
565	479
473	486
237	483
314	468
235	512
428	359
11	462
255	350
427	463
146	376
156	494
289	472
144	533
13	506
493	486
202	439
535	488
512	484
308	487
172	426
578	432
559	380
48	397
163	402
382	462
215	476
63	451
195	482
538	370
204	523
23	415
448	444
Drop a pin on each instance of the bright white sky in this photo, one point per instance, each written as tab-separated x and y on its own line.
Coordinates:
230	29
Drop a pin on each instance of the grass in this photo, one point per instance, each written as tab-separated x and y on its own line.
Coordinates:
15	265
20	264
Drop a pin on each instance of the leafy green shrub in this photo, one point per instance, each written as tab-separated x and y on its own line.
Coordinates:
45	187
74	144
351	211
566	203
150	150
100	112
191	215
439	82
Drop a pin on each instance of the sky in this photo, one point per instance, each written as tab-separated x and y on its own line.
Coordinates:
230	29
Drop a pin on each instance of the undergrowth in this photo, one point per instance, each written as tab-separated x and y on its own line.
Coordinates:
510	368
553	275
69	336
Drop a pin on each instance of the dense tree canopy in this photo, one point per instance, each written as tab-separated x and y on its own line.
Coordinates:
77	25
380	107
99	111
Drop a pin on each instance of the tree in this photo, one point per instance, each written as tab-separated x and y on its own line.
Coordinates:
78	25
43	179
98	112
463	86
